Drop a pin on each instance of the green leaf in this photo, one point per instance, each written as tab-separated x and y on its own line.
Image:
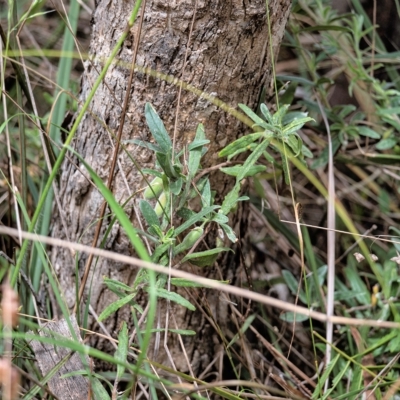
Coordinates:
185	213
318	392
117	285
142	277
264	110
229	232
293	116
306	151
122	350
303	81
159	251
195	152
358	286
148	213
295	125
368	132
198	143
206	194
295	143
164	159
240	144
230	199
290	316
175	187
205	258
157	129
280	114
386	144
181	282
288	95
220	218
114	307
252	159
175	297
293	285
234	171
99	392
194	218
255	118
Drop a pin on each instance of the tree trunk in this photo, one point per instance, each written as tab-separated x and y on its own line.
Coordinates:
220	47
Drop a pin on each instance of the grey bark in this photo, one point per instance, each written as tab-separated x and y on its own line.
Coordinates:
50	356
228	56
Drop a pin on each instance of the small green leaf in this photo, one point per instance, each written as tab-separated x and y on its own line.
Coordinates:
122	350
280	114
252	159
164	159
181	282
194	219
99	392
114	307
357	285
205	258
298	79
198	144
264	110
142	277
157	129
229	232
295	125
114	284
255	118
159	251
294	142
175	297
151	171
175	187
206	194
290	316
240	144
293	116
306	151
148	213
293	285
230	199
185	213
386	144
195	152
368	132
234	171
220	218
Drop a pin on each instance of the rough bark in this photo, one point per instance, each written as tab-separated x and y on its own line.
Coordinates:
48	357
228	55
